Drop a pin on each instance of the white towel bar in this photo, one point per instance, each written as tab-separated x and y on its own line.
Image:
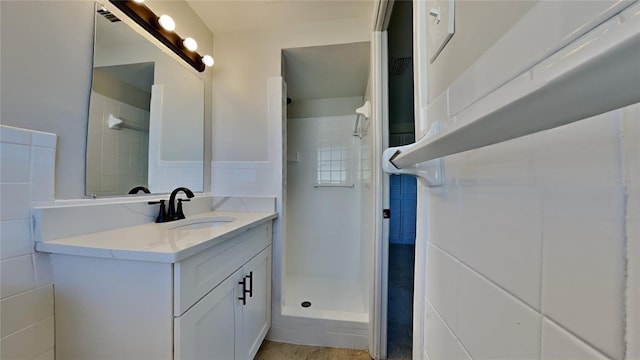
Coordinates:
597	73
117	123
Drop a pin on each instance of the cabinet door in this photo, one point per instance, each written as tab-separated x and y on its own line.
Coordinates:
210	328
256	314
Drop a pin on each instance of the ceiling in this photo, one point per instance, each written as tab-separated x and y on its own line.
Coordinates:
235	15
139	75
322	72
312	72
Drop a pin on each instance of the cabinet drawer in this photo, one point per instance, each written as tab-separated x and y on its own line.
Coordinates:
197	275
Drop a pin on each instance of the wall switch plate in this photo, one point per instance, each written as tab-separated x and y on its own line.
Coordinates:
440	25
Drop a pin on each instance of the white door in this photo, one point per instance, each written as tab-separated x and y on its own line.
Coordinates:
256	314
210	328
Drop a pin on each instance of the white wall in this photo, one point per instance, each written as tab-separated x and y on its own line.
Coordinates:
244	61
46	77
529	243
27	161
324	107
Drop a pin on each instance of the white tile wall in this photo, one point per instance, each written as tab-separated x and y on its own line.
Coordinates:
492	324
539	243
444	344
26	291
117	160
323	223
631	180
583	257
265	179
557	343
507	251
442	284
543	229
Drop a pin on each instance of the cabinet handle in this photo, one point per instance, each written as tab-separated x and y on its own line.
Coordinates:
250	277
244	291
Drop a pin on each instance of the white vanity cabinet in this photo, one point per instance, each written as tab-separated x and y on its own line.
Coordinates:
109	308
232	320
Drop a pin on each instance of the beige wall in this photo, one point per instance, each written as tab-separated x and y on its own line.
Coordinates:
119	90
46	76
244	61
478	25
45	64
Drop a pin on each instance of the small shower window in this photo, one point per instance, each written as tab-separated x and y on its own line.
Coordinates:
333	166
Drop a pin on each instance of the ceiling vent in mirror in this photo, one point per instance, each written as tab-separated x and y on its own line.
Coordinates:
107	14
157	27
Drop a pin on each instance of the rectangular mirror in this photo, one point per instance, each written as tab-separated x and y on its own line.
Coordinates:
146	115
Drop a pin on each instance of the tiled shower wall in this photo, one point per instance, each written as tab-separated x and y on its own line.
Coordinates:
117	160
323	198
26	176
527	255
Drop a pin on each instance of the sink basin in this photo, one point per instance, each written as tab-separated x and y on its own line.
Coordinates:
200	223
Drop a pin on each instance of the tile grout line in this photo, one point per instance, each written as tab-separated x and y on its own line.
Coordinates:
542	315
32	325
541	291
484	277
625	234
584	341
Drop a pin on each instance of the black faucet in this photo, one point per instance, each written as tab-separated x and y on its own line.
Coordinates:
137	189
172	214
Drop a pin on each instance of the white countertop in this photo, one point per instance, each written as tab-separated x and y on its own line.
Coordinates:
156	242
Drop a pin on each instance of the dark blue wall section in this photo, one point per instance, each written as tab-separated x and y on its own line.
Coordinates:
402	201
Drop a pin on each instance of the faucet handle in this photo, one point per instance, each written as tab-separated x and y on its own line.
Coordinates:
179	212
162	214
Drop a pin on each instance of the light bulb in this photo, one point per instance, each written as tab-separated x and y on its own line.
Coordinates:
190	44
167	22
207	60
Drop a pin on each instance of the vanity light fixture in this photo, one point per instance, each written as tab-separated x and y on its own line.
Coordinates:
207	60
162	29
190	44
167	22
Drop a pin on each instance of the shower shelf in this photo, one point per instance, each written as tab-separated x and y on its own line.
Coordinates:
596	73
334	185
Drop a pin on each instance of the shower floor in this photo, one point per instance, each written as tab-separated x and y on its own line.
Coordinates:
334	299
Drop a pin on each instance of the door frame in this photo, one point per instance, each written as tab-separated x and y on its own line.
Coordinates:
382	15
380	135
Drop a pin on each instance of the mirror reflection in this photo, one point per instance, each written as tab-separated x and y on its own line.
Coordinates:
145	126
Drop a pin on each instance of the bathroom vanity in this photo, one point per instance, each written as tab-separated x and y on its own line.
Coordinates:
198	288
